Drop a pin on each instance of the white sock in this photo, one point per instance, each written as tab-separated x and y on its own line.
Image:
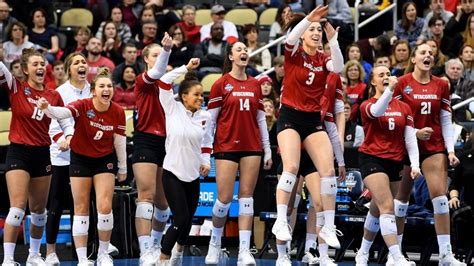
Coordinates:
244	237
35	245
323	249
281	249
81	252
365	246
216	235
103	246
288	246
399	240
8	250
281	212
329	217
144	243
310	242
395	251
155	238
443	242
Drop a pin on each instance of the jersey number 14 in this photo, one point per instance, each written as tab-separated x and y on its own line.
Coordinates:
244	104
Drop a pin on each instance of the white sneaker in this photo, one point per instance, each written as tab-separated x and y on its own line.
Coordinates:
362	258
326	260
52	260
282	230
113	250
329	235
104	259
10	262
163	263
35	260
448	259
85	262
245	258
176	258
402	261
213	254
156	251
283	261
390	260
310	259
147	259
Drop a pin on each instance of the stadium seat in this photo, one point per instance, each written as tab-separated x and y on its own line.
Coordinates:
240	17
77	17
5	117
267	17
208	81
4	138
228	4
203	16
129	123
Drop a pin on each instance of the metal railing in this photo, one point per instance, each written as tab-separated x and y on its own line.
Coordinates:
463	103
266	46
358	25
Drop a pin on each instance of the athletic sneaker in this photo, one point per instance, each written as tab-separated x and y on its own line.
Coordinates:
245	258
329	235
282	230
310	259
362	258
326	261
448	259
163	263
10	262
213	254
176	258
402	261
147	258
283	261
156	250
391	261
35	260
104	259
85	262
52	260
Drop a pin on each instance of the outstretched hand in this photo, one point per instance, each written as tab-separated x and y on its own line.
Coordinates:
193	64
167	42
318	13
330	31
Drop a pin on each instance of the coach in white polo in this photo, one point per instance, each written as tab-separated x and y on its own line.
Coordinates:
218	14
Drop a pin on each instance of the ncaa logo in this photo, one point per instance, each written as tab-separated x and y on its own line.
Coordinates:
228	87
90	114
27	91
407	90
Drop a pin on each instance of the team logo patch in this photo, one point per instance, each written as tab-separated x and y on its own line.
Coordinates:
110	166
27	91
407	90
90	114
228	87
48	168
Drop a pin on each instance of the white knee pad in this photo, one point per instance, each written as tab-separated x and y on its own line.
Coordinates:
297	200
246	206
144	210
105	222
161	215
15	216
388	226
286	182
328	185
372	223
220	209
39	219
440	205
320	219
80	225
400	208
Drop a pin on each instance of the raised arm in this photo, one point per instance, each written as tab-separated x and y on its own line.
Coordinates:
267	151
159	69
315	16
54	112
6	76
378	109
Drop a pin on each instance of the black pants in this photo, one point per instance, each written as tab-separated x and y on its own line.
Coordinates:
183	199
60	198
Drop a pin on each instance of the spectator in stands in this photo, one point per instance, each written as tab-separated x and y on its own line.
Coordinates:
400	57
212	51
466	54
59	75
268	92
218	16
123	30
372	46
164	19
355	90
462	180
149	29
81	36
284	14
131	10
22	10
95	60
111	43
468	34
353	53
439	58
124	94
437	8
5	20
410	26
129	54
269	107
353	134
182	50
382	60
17	72
457	24
259	62
279	73
449	45
43	37
459	84
191	30
15	42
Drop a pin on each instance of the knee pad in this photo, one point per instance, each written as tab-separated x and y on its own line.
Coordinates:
220	209
80	225
329	186
39	219
319	219
388	226
15	216
105	222
144	210
440	205
286	182
400	208
297	200
372	223
161	215
246	206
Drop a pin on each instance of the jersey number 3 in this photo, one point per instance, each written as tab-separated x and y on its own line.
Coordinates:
310	79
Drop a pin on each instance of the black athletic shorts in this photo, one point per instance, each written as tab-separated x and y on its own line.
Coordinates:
85	166
34	160
305	123
307	166
148	148
371	164
406	160
236	155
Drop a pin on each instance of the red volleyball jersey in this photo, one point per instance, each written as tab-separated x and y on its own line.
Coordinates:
94	130
384	136
332	93
426	102
151	117
29	125
237	127
305	79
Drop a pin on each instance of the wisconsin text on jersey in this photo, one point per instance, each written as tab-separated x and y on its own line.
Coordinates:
312	68
243	93
392	114
425	96
101	127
